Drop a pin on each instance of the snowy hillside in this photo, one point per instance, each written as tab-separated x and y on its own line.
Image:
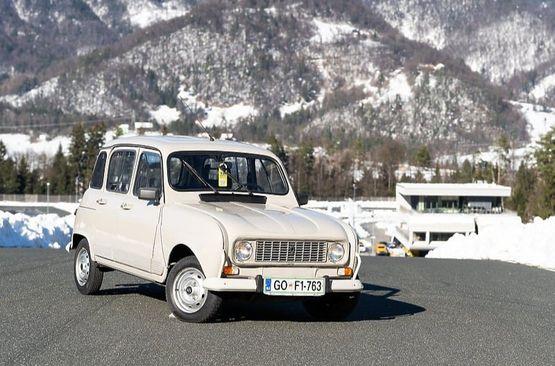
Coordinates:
496	38
336	70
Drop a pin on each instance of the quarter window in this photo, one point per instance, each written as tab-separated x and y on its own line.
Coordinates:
149	172
98	173
120	170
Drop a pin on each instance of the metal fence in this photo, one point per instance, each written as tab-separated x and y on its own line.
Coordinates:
359	198
54	198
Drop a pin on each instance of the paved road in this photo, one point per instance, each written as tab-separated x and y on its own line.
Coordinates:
413	311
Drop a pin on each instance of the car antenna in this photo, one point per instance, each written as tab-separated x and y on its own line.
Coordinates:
197	121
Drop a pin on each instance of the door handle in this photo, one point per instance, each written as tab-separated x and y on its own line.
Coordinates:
126	206
101	201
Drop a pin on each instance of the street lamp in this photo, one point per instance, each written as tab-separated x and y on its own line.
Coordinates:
47	197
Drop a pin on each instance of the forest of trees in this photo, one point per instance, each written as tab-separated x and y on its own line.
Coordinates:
336	174
68	174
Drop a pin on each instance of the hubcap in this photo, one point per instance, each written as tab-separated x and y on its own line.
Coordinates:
82	267
188	290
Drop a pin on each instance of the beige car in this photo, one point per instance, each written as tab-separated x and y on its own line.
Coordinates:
206	218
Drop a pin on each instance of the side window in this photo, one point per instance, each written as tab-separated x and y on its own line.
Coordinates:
268	177
149	172
98	172
120	170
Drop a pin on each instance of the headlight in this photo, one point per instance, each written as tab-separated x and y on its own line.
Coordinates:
243	250
335	252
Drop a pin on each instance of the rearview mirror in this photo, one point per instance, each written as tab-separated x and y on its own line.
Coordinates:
302	198
149	194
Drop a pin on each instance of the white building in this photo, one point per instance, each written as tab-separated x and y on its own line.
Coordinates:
432	213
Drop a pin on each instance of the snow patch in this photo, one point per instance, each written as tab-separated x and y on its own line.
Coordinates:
165	115
41	231
540	119
291	108
545	85
217	116
399	86
143	13
530	244
328	32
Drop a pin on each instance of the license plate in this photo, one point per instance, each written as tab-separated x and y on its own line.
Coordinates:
294	287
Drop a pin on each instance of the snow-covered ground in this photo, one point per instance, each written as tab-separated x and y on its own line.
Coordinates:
22	144
531	244
41	231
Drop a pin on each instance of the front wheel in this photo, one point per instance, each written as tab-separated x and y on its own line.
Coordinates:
188	299
87	275
332	306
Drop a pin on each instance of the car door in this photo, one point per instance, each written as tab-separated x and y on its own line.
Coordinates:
118	184
138	218
93	209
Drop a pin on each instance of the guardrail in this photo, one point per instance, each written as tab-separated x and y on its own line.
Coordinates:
53	198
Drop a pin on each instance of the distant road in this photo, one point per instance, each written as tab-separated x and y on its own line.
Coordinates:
413	311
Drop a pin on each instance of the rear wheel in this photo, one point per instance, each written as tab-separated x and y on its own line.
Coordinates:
188	299
87	275
332	306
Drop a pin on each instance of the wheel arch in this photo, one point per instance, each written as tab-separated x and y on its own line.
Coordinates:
179	252
75	240
211	265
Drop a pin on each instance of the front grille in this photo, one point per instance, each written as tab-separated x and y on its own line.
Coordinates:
291	251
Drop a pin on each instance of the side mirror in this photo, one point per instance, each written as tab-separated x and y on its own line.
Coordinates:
149	194
302	198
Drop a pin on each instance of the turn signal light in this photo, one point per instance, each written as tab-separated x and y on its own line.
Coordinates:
347	271
230	270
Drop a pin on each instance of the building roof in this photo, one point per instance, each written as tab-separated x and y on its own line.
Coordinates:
453	189
168	144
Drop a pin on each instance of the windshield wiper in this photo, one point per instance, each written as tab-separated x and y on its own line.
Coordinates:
199	177
225	170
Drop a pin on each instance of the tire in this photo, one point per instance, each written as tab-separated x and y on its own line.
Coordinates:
332	307
87	275
186	297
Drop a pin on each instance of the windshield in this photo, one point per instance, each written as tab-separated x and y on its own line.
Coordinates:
258	174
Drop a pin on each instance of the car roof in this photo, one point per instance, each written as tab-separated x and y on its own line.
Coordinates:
169	144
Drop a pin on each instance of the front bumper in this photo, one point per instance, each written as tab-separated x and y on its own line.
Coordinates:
255	284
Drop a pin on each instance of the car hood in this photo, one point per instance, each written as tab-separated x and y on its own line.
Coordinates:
266	221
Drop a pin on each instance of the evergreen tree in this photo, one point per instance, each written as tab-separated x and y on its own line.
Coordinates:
3	172
277	148
545	189
95	140
467	172
437	175
524	186
78	156
9	172
59	175
22	175
423	157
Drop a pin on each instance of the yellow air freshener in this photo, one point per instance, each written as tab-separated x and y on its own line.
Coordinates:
222	178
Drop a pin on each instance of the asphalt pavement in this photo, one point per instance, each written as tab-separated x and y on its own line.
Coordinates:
412	311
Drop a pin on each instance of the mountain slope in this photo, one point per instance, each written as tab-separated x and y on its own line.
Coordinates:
496	38
330	70
34	34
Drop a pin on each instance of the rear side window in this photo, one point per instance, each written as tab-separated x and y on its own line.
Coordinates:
98	173
149	172
120	171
